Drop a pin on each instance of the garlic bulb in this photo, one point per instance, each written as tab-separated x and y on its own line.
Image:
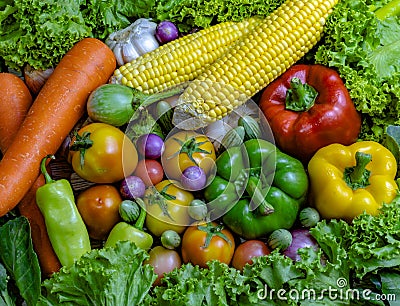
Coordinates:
133	41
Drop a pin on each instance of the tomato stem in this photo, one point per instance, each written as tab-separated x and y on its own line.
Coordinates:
211	231
81	144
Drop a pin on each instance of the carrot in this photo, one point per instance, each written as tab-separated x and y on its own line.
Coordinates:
48	259
57	108
15	101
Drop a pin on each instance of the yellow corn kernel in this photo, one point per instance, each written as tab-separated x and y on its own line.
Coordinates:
278	42
182	59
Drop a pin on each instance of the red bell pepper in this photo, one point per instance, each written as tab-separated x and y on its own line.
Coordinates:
309	107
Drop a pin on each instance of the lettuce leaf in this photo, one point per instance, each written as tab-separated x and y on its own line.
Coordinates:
39	33
109	276
191	13
365	52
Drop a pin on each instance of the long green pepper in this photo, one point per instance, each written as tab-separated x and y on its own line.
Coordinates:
67	231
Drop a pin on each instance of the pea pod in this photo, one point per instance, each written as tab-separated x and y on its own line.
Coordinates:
65	227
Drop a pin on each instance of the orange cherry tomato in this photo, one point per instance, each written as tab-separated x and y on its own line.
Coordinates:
98	206
203	242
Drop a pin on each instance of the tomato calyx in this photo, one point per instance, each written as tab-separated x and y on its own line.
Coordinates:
155	197
189	147
81	143
212	230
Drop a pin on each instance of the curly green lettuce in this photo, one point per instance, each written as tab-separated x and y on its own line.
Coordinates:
365	51
39	33
191	14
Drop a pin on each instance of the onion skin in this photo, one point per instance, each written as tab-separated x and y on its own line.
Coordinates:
150	146
301	238
166	31
193	178
132	187
35	79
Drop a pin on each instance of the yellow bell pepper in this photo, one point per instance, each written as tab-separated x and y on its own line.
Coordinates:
345	181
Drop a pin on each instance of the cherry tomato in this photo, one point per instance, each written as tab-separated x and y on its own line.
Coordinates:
167	207
163	260
184	149
101	153
246	251
195	249
150	171
98	206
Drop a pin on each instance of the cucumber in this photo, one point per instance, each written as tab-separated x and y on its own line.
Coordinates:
112	104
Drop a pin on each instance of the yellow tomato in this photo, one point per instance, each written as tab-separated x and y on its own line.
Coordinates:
167	207
101	153
184	149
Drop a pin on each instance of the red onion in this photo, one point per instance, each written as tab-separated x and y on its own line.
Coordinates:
132	187
150	146
301	238
166	31
193	178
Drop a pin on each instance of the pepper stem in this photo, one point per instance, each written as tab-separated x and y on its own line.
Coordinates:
43	169
142	216
300	97
358	176
257	195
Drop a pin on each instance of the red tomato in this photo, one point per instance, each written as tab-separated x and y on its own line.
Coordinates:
246	251
98	206
150	171
220	247
163	261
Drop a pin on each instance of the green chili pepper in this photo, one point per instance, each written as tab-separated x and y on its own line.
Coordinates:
65	227
123	231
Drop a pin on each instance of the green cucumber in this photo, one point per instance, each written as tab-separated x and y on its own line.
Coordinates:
251	127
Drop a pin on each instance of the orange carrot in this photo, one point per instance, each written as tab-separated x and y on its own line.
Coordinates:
57	108
48	259
15	101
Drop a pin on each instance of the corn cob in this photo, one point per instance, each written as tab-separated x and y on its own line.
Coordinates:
277	43
183	59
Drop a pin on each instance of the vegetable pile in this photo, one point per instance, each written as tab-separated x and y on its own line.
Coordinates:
164	153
